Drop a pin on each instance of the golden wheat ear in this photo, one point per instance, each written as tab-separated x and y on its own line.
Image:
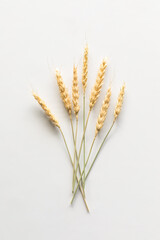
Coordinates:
119	102
75	92
98	85
85	69
64	92
103	111
46	110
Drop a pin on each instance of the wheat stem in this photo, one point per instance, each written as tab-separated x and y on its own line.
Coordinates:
99	150
93	160
70	116
84	84
78	157
81	190
83	134
84	168
84	137
74	162
75	148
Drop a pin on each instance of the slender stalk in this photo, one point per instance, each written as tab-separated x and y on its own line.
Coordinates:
72	128
83	169
81	190
95	156
74	161
78	157
75	149
99	149
84	134
84	150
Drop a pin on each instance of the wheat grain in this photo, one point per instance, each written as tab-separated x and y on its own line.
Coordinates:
119	102
85	69
46	109
64	92
75	92
103	111
98	85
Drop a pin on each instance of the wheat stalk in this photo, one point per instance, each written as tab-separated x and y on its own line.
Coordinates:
84	84
83	169
99	125
81	190
55	122
46	110
98	84
116	113
103	112
93	160
76	108
64	92
95	92
65	98
93	98
67	103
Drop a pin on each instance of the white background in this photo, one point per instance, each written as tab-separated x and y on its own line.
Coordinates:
123	189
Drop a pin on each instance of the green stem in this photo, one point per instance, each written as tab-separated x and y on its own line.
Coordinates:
83	169
99	149
74	161
75	149
72	128
84	137
82	142
81	190
96	156
84	134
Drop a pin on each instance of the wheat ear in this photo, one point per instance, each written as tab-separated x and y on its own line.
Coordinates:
119	102
46	110
103	111
85	69
98	85
75	92
64	92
